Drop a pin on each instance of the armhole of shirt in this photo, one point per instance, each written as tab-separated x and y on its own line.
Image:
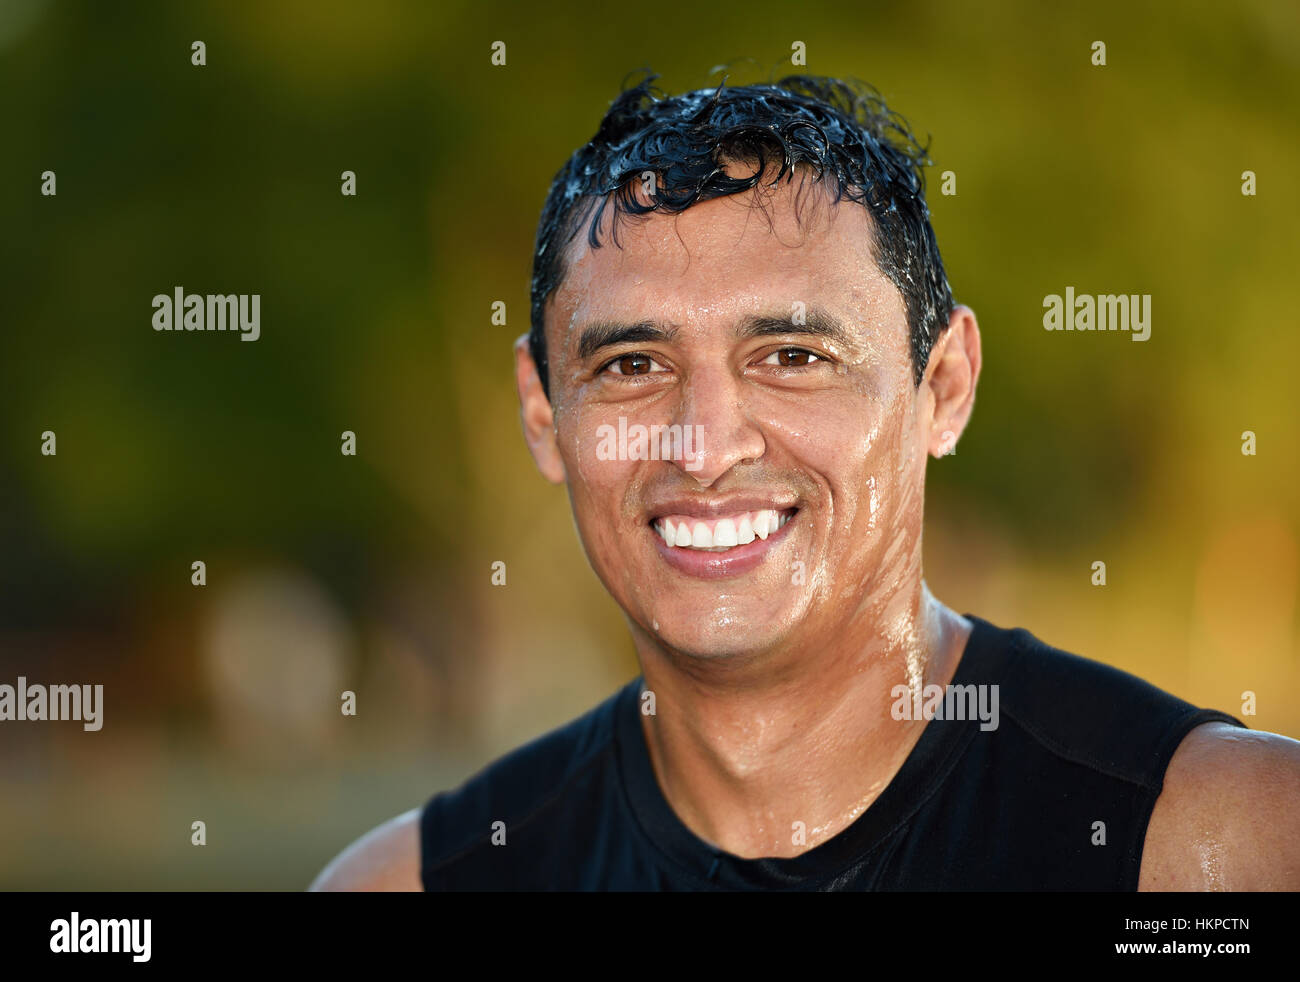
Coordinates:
1173	739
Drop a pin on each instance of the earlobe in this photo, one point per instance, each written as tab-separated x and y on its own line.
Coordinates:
952	376
536	416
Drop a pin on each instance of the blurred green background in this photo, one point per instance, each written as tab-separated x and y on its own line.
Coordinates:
371	573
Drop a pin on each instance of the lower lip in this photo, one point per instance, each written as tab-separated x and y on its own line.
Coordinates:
716	565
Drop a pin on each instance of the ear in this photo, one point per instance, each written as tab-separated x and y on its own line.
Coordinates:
535	413
951	375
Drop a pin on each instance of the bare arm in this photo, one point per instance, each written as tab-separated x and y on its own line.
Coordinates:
1229	815
386	858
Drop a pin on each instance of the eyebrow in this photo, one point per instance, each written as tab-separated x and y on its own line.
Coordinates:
605	334
816	323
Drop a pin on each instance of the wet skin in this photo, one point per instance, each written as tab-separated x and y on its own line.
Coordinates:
773	689
771	674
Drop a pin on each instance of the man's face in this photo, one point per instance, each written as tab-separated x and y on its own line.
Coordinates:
781	352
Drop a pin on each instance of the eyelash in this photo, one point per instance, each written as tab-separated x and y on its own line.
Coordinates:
815	358
628	354
802	351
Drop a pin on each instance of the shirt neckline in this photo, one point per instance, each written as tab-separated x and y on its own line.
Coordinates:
924	770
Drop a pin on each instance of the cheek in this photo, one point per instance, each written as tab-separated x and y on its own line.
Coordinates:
896	481
599	482
862	448
577	432
578	443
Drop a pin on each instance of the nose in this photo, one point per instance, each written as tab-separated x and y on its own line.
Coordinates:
723	433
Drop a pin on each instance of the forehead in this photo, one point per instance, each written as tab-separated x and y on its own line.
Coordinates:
723	258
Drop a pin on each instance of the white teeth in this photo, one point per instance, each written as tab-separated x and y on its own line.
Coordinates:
667	531
745	534
727	533
724	533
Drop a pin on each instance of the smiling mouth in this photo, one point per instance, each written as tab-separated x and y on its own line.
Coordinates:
720	534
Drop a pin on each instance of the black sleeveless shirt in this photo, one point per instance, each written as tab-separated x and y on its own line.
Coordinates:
1014	807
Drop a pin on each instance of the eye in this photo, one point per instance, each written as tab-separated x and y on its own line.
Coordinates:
791	358
633	363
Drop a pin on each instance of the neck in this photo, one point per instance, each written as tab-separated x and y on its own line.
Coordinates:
744	752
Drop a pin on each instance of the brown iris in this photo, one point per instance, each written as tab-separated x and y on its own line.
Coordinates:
793	357
633	364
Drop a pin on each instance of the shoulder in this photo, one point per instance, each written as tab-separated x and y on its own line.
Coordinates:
1228	816
544	777
1085	711
394	856
386	858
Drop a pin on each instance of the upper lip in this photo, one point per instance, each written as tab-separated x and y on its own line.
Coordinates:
707	508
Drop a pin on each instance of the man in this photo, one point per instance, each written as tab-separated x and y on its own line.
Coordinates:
741	396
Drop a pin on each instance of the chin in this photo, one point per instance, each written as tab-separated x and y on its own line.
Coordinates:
718	635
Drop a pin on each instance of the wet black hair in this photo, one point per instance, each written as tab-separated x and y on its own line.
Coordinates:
837	128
